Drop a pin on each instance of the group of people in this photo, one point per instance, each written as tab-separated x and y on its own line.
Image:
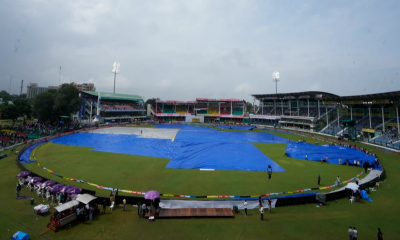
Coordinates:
85	212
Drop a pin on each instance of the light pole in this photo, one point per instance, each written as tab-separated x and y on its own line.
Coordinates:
275	75
115	70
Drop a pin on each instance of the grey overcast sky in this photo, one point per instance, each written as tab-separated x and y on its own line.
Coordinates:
184	49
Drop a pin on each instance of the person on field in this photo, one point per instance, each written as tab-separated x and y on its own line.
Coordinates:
306	157
115	199
259	200
319	179
269	205
380	234
350	233
18	189
338	180
104	206
262	212
245	207
355	233
124	204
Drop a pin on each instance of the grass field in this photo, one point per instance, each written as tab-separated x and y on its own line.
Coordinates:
143	173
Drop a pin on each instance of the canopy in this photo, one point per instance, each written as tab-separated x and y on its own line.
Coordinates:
85	198
67	205
352	186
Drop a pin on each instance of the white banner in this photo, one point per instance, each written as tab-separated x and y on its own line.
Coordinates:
251	204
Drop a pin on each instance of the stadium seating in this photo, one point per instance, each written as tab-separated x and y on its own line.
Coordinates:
181	109
168	109
202	112
237	111
121	106
213	110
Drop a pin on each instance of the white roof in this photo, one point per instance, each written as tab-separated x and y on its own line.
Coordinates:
67	205
85	198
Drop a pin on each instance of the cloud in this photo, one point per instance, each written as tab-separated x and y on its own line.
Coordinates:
181	50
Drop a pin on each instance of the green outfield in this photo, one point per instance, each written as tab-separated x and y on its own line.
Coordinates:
146	173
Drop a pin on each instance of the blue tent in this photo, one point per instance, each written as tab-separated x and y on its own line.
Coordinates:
20	236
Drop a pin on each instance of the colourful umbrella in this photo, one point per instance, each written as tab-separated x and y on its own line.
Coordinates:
48	183
65	189
23	174
151	195
35	179
56	188
74	190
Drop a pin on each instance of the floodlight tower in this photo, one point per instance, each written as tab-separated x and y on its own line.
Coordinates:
275	75
115	70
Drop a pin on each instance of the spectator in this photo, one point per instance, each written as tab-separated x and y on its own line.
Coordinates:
124	204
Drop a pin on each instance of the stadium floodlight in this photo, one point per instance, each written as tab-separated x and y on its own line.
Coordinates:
275	75
115	70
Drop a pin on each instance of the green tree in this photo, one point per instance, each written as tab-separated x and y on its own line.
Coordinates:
67	101
9	111
5	96
43	106
23	107
249	107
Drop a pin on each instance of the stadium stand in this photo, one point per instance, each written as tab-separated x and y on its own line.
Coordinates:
213	110
168	109
181	109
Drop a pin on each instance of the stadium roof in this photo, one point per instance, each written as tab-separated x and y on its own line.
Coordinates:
115	96
311	94
395	95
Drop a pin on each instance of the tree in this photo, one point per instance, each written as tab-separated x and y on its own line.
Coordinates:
67	101
9	111
249	107
5	96
151	101
23	107
43	106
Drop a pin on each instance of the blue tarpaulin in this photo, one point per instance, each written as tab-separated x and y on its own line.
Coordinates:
365	196
24	158
316	152
20	236
192	148
235	127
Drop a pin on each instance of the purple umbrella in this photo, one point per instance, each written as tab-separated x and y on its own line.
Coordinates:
56	188
23	174
38	184
65	189
47	183
35	179
74	190
151	195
